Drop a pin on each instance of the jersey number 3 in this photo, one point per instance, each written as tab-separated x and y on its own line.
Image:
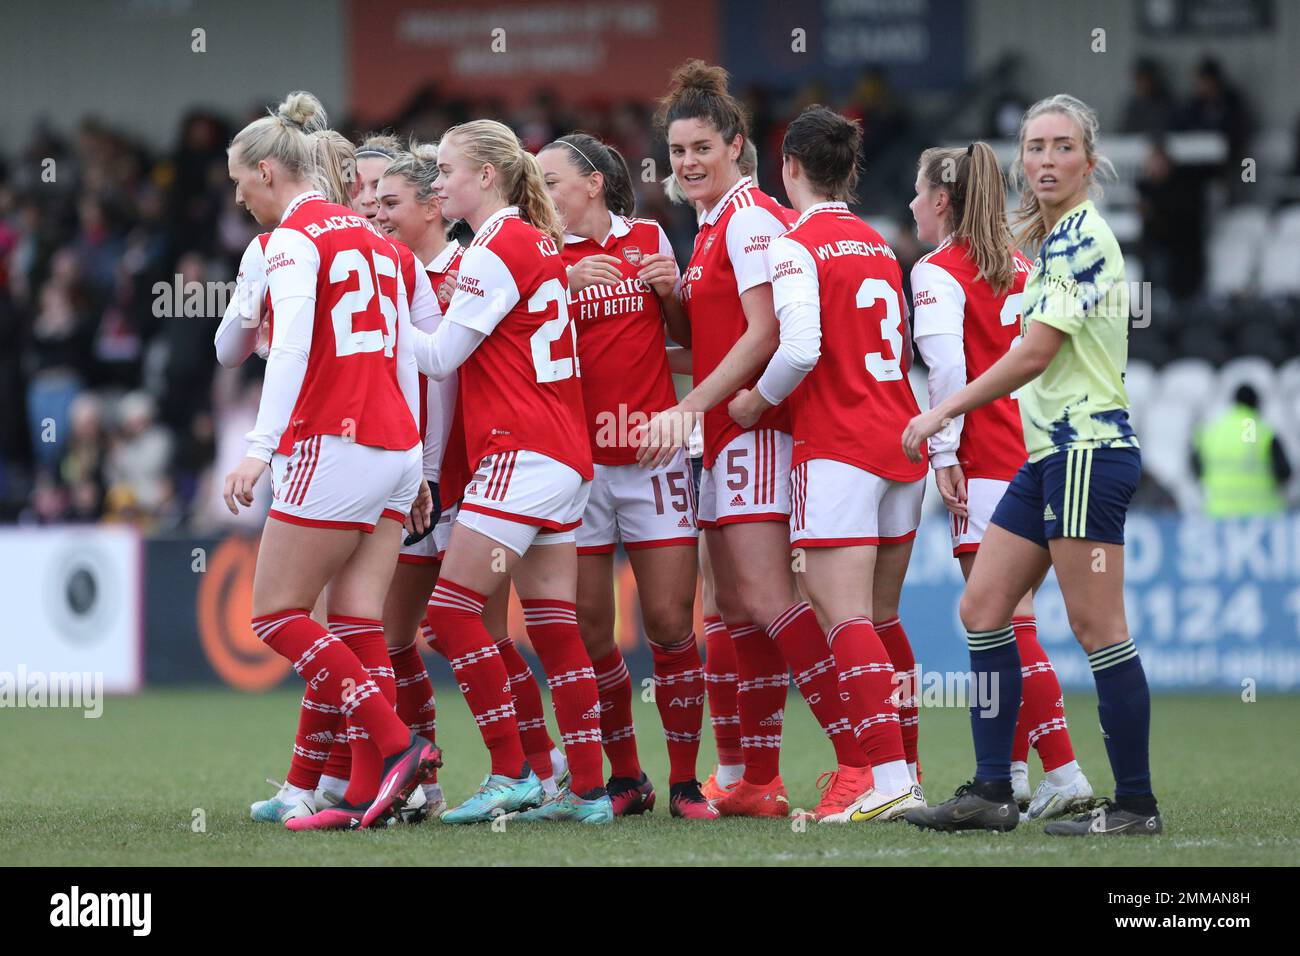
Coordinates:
871	291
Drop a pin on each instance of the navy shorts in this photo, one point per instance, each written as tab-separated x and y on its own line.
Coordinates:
1076	493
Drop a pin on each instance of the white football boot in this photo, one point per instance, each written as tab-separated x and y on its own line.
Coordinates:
1055	800
288	803
1020	784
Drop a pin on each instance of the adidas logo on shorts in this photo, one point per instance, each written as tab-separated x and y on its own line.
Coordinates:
1049	514
683	523
737	502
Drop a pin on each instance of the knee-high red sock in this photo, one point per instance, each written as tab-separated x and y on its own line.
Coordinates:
416	704
527	698
679	695
365	638
866	680
899	649
617	734
760	699
456	620
1042	708
331	668
804	647
319	725
553	629
720	676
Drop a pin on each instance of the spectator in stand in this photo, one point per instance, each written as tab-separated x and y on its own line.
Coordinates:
137	466
1241	463
1150	108
1171	200
1218	106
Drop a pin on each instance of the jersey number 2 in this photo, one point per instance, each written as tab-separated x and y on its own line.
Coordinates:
891	329
551	369
348	341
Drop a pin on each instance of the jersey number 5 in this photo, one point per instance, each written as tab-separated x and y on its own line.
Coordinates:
347	340
891	329
552	369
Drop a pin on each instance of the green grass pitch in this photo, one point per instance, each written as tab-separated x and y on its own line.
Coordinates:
131	787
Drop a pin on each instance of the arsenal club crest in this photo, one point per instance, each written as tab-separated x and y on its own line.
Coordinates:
708	244
632	254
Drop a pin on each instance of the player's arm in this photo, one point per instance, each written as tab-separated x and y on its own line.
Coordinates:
1018	367
292	263
660	272
408	376
749	233
679	360
485	294
237	335
796	296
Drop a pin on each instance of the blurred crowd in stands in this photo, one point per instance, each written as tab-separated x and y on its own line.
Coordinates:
116	409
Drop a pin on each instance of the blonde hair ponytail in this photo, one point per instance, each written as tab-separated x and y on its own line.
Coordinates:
336	165
285	135
1032	227
519	175
977	198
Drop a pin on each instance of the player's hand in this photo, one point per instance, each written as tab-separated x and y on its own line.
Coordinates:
660	438
240	484
421	516
747	407
951	482
264	337
919	429
599	269
659	272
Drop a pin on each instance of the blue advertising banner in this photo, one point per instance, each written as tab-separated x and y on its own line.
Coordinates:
1211	604
918	44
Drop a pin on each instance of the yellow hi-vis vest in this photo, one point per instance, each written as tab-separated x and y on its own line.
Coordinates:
1236	471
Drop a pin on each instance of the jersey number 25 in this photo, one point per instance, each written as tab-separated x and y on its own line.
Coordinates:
347	340
552	369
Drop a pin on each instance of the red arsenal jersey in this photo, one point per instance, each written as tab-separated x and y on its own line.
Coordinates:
949	297
520	387
853	406
730	258
328	252
621	340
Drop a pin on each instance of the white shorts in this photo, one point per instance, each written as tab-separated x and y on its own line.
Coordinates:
442	530
641	508
427	550
749	480
327	482
982	497
837	505
518	496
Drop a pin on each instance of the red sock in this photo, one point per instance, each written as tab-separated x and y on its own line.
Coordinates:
553	629
866	680
416	706
456	619
899	649
330	667
1042	708
527	698
365	639
760	699
679	695
617	734
720	674
804	647
319	725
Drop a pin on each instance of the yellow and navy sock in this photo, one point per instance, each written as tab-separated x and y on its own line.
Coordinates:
995	689
1124	706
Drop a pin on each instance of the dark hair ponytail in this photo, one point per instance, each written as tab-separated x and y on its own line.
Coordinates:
589	155
827	146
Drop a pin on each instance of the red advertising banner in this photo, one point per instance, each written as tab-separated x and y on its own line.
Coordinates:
581	49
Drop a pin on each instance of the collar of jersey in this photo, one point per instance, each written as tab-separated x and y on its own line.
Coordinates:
298	200
439	263
497	216
821	207
714	214
618	228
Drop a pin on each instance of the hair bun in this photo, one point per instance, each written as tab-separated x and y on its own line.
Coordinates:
699	75
303	111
